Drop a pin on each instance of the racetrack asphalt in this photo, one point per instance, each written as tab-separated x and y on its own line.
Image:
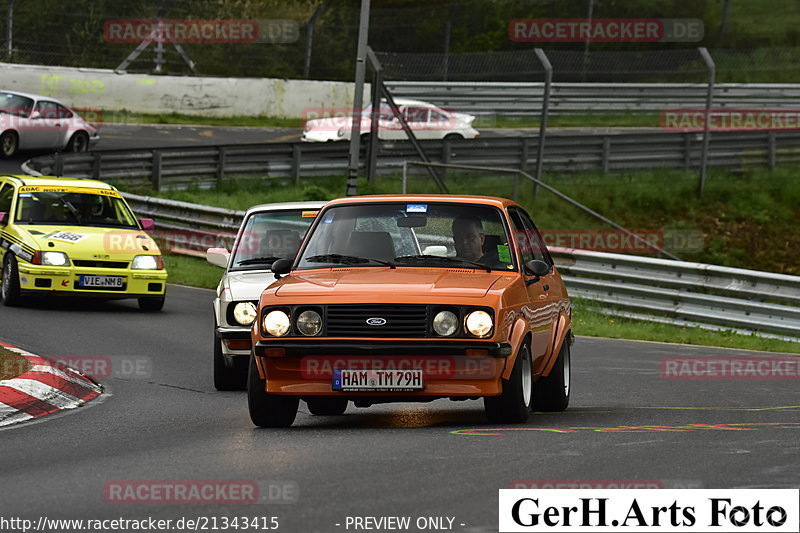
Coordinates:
165	422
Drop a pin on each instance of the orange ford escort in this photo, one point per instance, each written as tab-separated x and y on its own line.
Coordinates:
413	298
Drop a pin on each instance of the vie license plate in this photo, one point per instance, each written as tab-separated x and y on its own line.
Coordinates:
100	281
377	380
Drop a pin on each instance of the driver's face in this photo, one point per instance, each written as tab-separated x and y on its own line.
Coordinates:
468	239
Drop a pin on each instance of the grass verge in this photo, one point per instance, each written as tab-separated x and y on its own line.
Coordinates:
192	271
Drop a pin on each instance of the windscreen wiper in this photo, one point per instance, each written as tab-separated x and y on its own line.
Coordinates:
257	260
347	260
425	257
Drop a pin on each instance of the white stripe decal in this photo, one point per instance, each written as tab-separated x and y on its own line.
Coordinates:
43	392
71	376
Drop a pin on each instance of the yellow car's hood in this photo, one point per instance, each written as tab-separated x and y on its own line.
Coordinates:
90	242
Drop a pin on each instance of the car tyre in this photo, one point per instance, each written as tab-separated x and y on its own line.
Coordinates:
151	304
79	142
226	377
10	282
552	393
453	137
513	405
9	144
327	406
268	410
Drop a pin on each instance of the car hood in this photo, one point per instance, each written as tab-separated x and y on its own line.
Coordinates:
248	285
89	242
384	282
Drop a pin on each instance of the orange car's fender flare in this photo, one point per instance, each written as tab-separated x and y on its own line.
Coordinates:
519	333
560	336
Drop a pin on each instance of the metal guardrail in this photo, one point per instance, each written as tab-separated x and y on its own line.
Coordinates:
685	293
565	152
525	99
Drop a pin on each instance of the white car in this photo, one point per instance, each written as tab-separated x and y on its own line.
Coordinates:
36	122
268	232
426	121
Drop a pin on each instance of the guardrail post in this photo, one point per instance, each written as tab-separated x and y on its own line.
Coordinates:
446	148
156	170
548	78
712	74
687	151
221	162
524	152
96	165
772	150
297	157
606	154
58	167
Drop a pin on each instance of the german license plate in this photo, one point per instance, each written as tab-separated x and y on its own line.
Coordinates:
377	380
100	282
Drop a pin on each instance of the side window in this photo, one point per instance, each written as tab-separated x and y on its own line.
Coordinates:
6	196
63	112
416	114
527	238
46	110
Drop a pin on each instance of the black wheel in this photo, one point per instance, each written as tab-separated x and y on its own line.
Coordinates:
230	373
9	144
151	304
10	283
268	410
325	406
79	142
552	393
453	137
513	406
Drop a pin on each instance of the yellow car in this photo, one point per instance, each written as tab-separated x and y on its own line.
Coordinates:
75	237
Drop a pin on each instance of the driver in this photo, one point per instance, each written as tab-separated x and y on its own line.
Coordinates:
468	238
91	207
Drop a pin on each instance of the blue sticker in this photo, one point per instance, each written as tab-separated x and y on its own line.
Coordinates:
328	219
25	194
417	208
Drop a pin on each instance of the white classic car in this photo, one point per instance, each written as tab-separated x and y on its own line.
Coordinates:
268	232
426	121
36	122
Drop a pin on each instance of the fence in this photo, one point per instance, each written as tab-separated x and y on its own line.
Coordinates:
566	152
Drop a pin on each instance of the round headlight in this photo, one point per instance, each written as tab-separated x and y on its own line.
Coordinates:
445	323
145	262
245	313
309	323
276	323
479	323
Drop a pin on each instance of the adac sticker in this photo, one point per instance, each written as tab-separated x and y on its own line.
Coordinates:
328	219
417	208
66	236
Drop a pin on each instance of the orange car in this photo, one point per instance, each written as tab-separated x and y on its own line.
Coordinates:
413	298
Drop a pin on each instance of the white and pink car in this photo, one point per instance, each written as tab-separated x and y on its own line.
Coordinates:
427	121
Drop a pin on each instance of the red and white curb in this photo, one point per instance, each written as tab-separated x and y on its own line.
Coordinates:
45	388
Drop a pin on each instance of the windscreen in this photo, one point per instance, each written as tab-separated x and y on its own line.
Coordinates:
409	234
15	104
74	206
270	235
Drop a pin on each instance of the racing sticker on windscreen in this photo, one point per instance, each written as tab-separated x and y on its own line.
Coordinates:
66	236
416	208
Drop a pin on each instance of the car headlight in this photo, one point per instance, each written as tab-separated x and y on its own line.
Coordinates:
445	323
276	323
58	259
147	262
244	313
309	323
479	323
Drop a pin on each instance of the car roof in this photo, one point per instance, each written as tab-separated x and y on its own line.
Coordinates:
429	198
33	96
285	206
57	181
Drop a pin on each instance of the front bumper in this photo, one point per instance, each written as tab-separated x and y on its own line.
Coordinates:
49	280
452	368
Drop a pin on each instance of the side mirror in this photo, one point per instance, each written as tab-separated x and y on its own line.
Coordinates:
281	267
3	218
147	223
218	257
36	114
537	268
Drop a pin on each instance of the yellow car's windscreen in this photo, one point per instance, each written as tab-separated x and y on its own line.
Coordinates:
72	206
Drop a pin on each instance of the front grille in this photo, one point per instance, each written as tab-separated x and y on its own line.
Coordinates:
100	264
401	320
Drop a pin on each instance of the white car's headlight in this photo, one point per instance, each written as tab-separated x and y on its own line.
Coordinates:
276	323
58	259
445	323
146	262
479	323
309	323
244	313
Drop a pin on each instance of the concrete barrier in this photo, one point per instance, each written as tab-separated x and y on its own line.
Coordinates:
204	96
